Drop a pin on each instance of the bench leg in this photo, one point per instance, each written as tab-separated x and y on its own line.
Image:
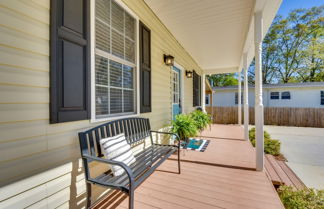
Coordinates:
88	195
131	199
179	169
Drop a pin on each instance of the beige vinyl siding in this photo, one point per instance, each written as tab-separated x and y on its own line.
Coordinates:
39	162
164	43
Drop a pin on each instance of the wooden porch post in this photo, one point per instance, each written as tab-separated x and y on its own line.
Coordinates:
258	24
246	98
239	97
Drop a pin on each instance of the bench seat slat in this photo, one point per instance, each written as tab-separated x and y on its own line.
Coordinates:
140	165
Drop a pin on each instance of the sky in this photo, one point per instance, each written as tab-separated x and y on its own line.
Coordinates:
288	5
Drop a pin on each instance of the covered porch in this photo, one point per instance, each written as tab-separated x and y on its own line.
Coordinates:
39	134
224	37
221	177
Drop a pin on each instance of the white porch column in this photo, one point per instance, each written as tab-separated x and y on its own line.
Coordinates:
246	98
203	92
239	97
258	24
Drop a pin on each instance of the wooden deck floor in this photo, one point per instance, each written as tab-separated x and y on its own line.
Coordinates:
227	148
203	183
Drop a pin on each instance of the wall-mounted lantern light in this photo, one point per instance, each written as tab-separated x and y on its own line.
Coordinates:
168	60
189	74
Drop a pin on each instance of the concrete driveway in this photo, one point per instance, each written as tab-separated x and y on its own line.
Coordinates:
304	150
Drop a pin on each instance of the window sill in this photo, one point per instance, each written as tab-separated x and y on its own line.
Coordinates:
97	120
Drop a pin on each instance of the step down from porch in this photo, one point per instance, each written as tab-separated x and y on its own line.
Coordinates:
280	174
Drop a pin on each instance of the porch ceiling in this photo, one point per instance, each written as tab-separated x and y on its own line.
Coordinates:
214	32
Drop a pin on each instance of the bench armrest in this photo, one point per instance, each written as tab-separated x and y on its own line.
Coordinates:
129	172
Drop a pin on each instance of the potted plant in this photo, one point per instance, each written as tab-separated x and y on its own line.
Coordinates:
201	119
184	126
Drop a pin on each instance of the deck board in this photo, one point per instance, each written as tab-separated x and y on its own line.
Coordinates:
280	174
297	182
207	182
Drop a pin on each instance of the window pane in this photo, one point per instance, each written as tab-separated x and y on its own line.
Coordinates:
115	32
115	100
117	44
117	16
101	70
128	77
129	26
128	101
115	74
103	10
285	95
274	95
101	100
102	36
130	50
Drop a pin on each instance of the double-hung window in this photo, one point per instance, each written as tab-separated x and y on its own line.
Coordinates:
236	98
115	60
207	99
274	95
322	97
285	95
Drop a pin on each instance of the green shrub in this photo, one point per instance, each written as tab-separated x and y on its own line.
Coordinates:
301	199
271	146
184	126
252	134
201	119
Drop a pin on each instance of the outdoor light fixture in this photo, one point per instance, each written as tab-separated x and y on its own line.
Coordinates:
189	74
168	60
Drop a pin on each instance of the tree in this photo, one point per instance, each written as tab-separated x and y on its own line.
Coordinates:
313	58
294	34
292	50
227	79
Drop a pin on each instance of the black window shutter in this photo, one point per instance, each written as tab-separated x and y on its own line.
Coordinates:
196	89
145	68
70	60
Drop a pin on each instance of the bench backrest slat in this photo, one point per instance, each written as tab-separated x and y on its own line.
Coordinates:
135	130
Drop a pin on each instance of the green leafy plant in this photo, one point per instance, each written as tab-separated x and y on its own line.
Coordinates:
271	146
252	134
184	126
201	119
301	199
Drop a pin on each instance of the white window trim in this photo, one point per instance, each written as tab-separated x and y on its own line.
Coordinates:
92	60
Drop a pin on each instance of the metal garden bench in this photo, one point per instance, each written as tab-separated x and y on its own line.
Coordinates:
136	131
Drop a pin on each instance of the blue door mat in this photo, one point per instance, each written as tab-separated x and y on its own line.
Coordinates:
196	144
